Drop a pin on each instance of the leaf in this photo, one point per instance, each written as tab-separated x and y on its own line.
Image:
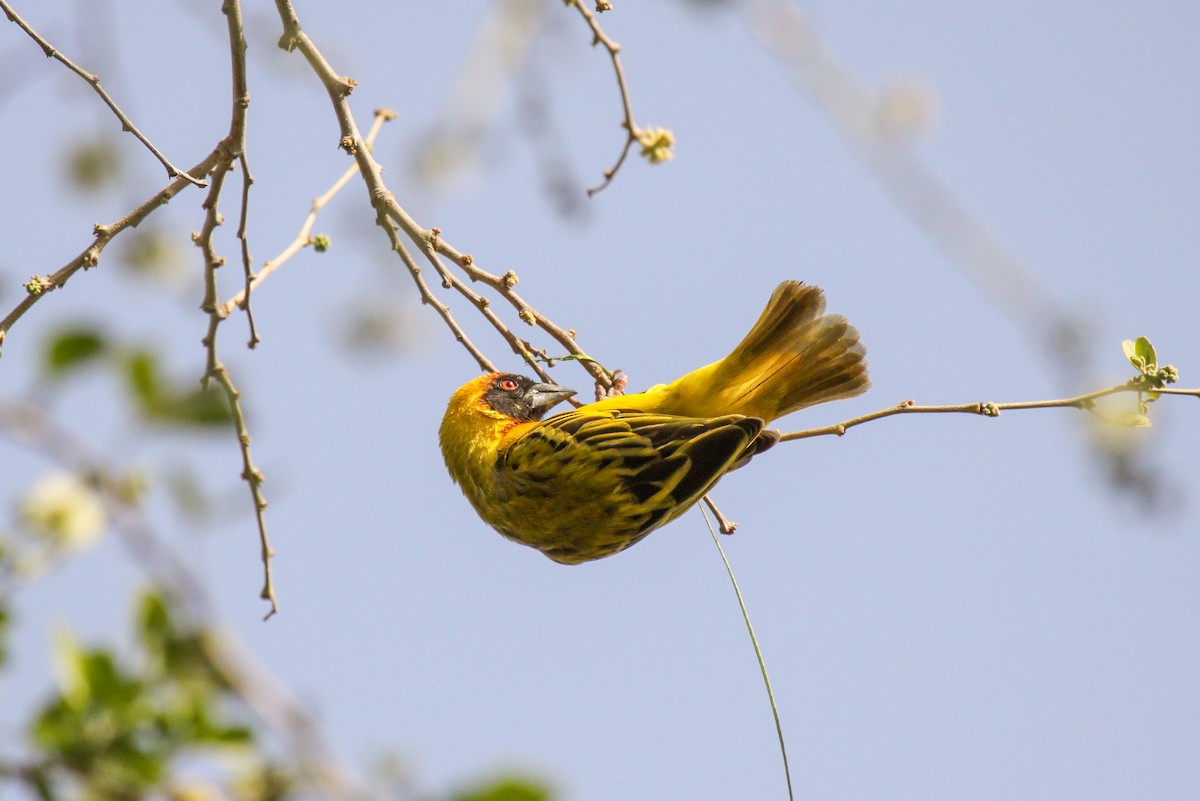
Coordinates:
230	735
1130	350
67	660
153	625
176	406
105	682
198	408
1132	420
141	373
72	348
1145	352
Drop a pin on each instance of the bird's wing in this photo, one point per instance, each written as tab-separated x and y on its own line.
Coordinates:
659	465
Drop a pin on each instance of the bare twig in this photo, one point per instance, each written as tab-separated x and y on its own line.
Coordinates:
428	297
1084	401
428	241
247	272
102	235
450	281
218	163
504	284
94	81
233	150
599	37
304	237
1173	391
724	524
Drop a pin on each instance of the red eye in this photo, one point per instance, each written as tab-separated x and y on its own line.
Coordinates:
507	384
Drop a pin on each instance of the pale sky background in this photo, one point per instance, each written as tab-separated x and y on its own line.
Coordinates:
950	607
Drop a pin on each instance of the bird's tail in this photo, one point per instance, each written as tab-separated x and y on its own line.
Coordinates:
793	357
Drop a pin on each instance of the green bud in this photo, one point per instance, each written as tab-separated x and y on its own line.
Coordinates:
37	285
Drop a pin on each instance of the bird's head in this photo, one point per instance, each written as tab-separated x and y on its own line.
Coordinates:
513	396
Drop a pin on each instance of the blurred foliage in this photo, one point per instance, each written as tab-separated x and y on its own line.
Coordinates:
131	730
169	723
94	164
375	328
154	253
157	398
508	788
160	401
5	625
71	348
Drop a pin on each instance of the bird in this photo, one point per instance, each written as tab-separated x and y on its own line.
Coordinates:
589	482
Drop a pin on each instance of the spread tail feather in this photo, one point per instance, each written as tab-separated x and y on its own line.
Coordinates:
794	356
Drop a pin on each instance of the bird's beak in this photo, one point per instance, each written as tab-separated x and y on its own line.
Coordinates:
544	397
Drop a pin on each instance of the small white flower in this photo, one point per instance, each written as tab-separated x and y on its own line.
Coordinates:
64	511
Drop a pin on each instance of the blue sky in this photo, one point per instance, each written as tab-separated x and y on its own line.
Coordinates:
950	607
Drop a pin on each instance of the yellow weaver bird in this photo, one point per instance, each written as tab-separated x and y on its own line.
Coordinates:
584	484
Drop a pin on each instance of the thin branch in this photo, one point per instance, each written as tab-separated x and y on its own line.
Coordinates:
247	272
724	524
429	299
1195	393
94	81
218	162
254	478
40	286
428	241
304	237
1084	401
215	369
234	148
599	37
504	285
449	281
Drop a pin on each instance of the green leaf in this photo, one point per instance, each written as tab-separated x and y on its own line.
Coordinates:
1145	352
72	348
1133	420
105	682
228	735
1130	350
153	625
67	660
141	373
197	408
175	406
